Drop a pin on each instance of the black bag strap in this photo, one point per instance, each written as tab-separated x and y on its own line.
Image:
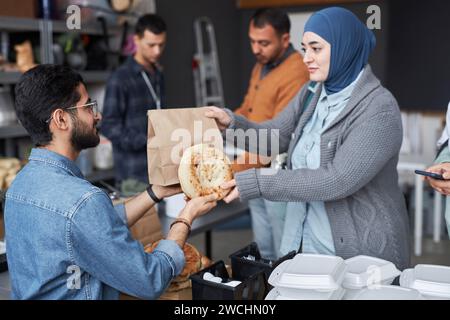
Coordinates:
442	147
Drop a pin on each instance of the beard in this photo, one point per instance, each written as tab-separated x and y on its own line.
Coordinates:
84	137
261	59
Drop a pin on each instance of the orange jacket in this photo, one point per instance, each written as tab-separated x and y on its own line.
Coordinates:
267	97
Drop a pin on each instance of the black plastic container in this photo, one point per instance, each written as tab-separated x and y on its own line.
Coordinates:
3	263
251	288
243	268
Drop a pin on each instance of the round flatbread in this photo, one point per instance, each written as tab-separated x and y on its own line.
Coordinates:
192	257
177	286
202	170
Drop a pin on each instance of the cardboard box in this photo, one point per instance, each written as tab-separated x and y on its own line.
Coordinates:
185	294
148	228
23	8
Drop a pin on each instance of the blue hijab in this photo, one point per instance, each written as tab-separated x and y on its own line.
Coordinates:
351	44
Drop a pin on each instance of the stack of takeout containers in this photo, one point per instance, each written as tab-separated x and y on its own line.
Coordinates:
432	281
308	277
388	293
364	272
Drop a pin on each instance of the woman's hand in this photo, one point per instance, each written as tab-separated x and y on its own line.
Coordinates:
441	186
234	193
163	192
198	206
223	120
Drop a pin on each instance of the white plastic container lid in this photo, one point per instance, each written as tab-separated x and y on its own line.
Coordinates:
275	294
364	271
309	271
429	279
388	293
174	205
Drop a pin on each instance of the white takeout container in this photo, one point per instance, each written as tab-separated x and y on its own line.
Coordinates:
174	205
364	271
388	293
2	247
432	281
308	271
274	294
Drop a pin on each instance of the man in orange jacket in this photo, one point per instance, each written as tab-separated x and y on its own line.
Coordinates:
277	77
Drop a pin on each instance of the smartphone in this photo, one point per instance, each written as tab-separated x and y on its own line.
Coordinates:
436	176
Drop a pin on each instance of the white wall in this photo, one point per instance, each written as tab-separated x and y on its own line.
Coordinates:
298	21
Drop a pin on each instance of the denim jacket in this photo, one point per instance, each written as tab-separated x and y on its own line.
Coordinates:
65	240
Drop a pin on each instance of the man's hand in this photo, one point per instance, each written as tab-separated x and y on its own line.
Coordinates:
193	209
234	193
441	186
223	120
163	192
198	206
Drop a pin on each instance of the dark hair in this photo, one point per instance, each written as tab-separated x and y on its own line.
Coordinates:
278	19
39	92
150	22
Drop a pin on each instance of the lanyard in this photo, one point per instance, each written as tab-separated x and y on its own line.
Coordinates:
152	91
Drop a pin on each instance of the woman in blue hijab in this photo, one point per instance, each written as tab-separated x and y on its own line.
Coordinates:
351	44
339	193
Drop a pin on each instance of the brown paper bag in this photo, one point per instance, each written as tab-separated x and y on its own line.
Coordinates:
170	132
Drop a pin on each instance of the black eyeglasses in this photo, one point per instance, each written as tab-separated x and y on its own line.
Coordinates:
91	105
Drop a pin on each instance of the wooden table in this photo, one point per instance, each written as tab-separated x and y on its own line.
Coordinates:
205	224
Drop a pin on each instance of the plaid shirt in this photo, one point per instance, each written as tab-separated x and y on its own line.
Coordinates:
127	99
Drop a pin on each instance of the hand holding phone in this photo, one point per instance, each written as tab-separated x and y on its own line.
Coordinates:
433	175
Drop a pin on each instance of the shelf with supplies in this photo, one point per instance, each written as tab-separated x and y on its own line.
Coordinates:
17	131
89	76
45	34
18	24
14	24
9	77
93	29
12	131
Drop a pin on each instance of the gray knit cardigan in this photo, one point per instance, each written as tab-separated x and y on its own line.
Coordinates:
357	178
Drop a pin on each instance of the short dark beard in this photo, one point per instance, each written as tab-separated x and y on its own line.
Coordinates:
82	138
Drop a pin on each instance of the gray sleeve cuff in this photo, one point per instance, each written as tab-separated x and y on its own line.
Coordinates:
120	210
237	121
174	253
232	116
247	184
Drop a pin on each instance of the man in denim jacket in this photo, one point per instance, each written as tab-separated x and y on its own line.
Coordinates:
65	240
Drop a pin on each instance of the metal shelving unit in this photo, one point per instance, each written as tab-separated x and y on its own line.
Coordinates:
9	77
92	29
46	29
88	76
12	131
27	25
19	24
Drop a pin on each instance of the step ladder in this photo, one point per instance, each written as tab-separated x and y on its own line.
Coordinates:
205	65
